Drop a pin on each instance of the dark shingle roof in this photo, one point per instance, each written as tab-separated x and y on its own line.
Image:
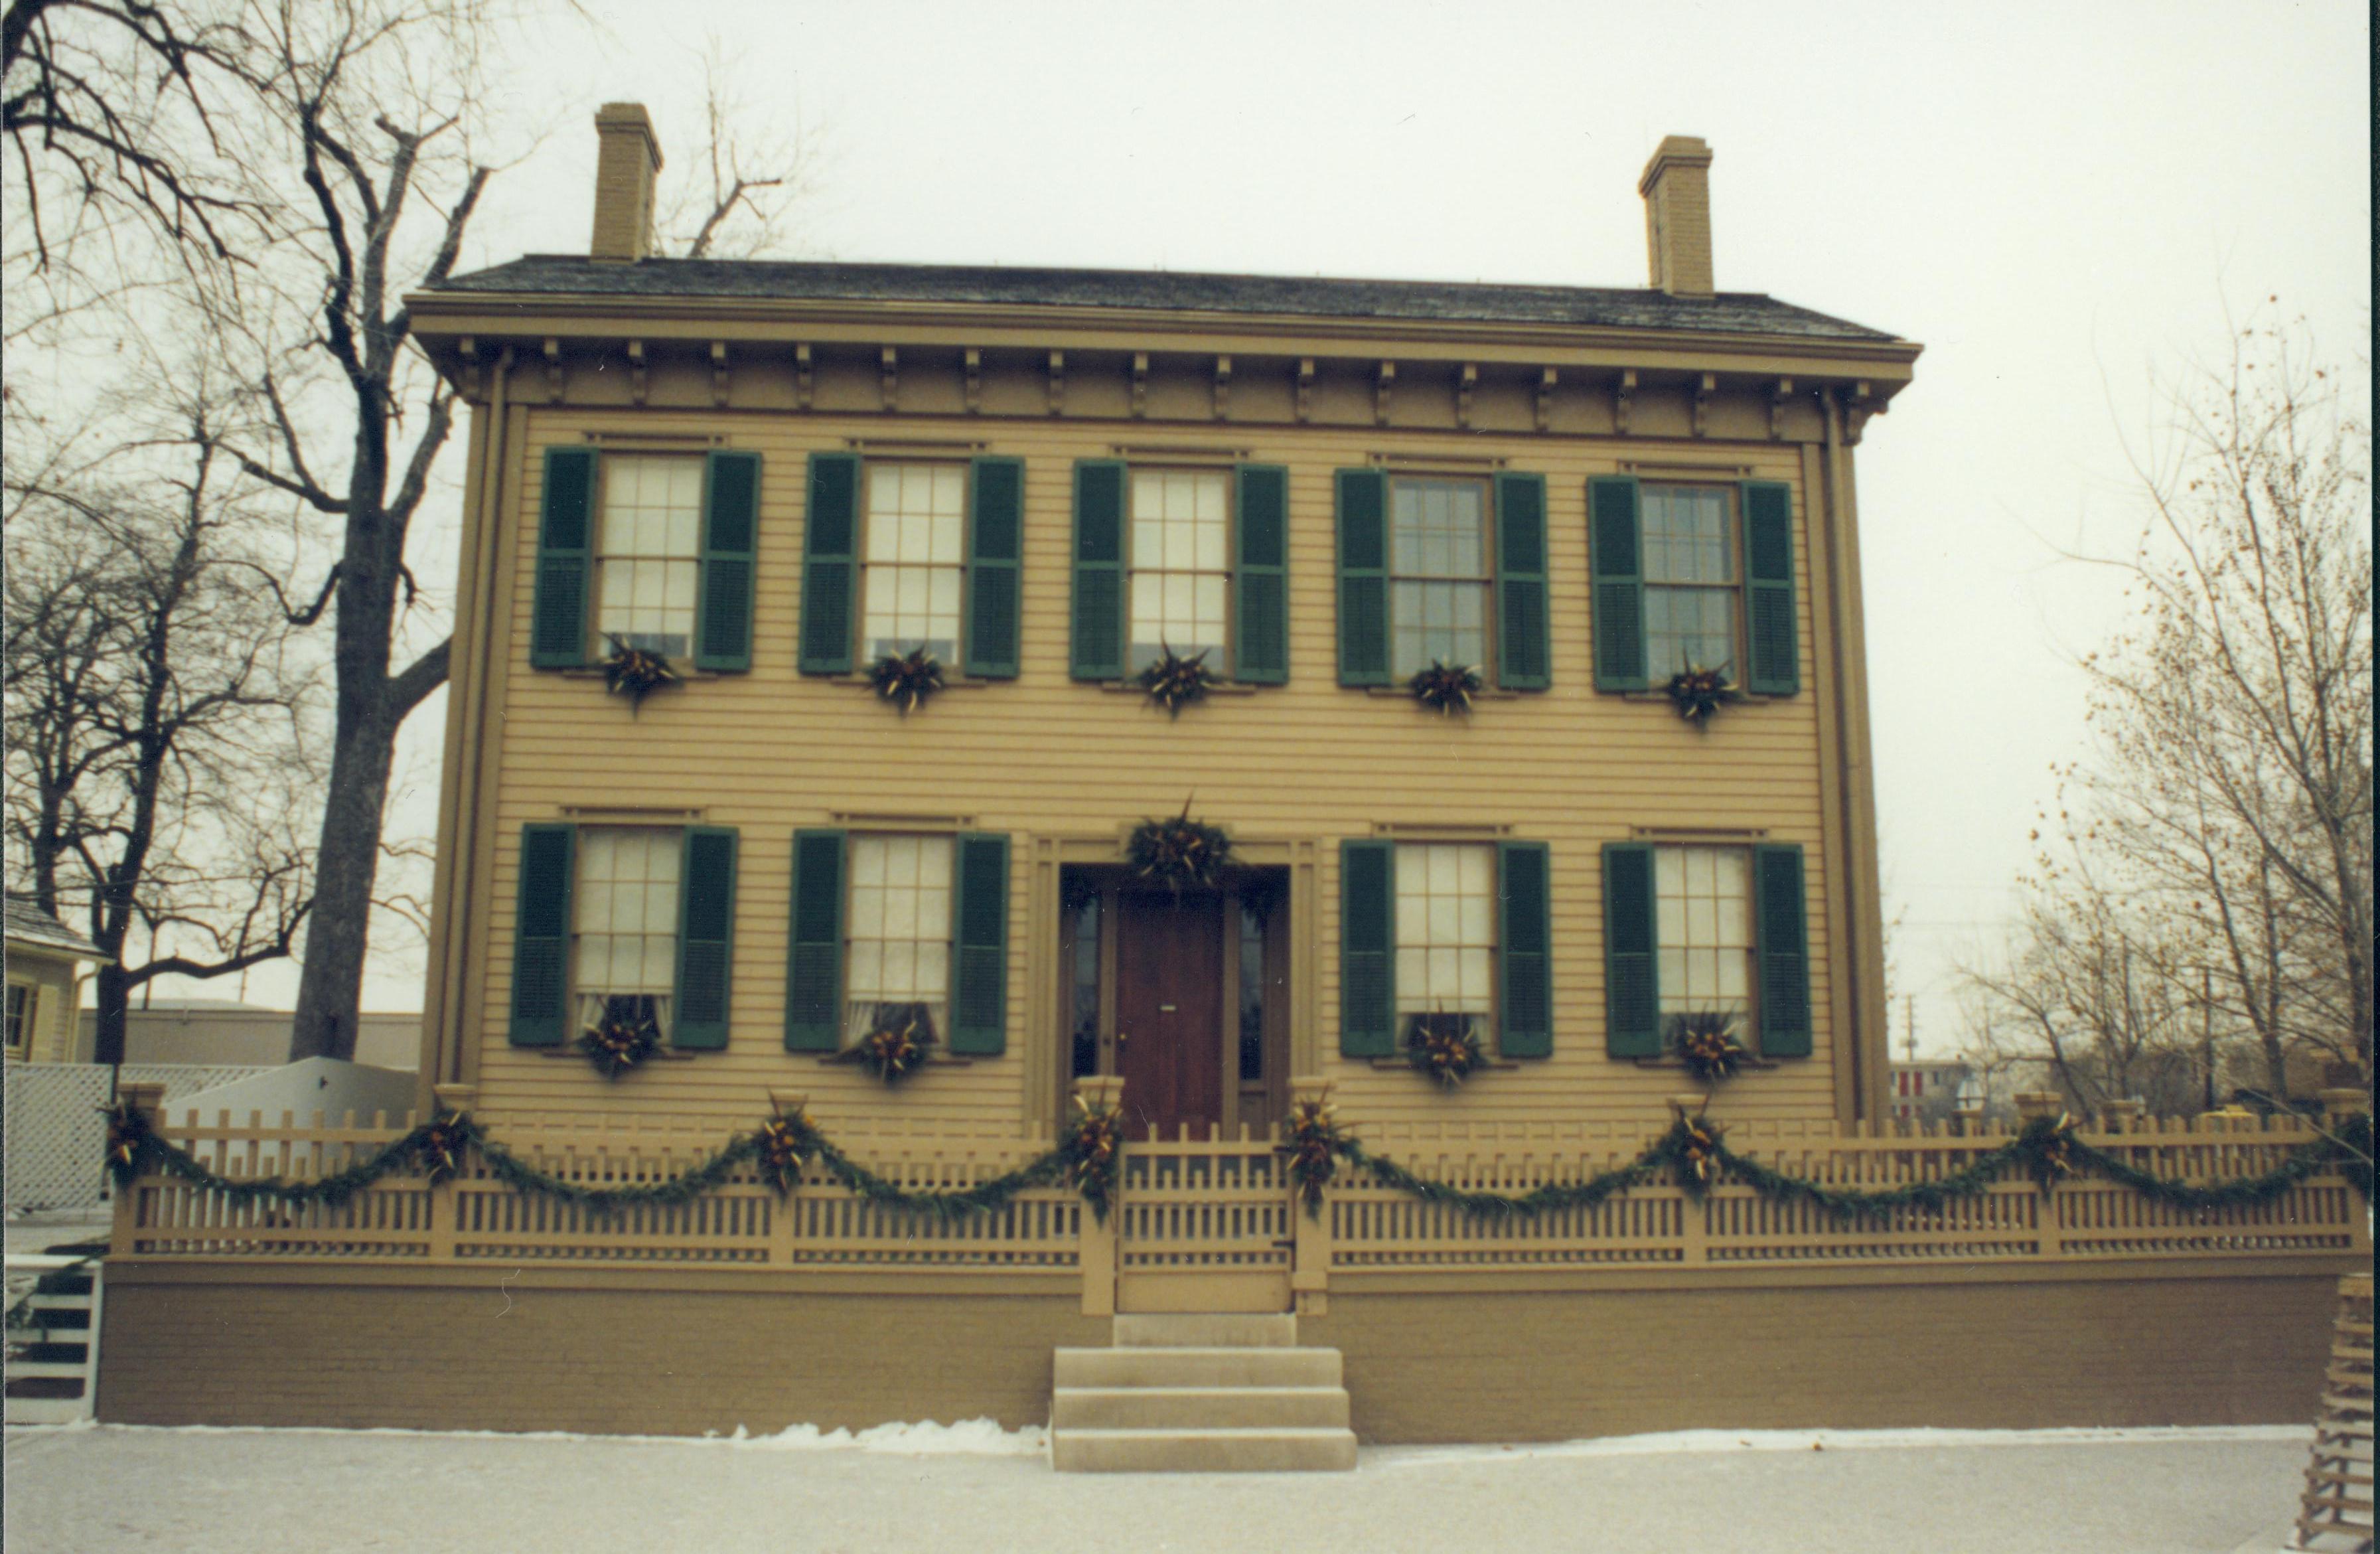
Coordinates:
27	922
1727	313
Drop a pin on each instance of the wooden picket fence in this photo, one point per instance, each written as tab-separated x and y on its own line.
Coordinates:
1219	1214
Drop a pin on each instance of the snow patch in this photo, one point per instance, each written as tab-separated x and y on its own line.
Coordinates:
982	1437
1687	1443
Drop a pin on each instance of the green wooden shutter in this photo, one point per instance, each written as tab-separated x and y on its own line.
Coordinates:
1632	972
1773	666
1781	921
566	555
1526	663
1099	569
706	935
979	946
1368	949
731	516
1262	580
1362	577
541	935
829	563
814	947
995	547
1524	949
1616	537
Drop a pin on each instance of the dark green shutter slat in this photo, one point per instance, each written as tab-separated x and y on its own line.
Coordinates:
1617	538
814	946
1774	666
1098	570
731	516
1782	922
979	946
1368	949
1525	948
542	937
565	547
1631	985
1527	658
996	546
829	563
706	937
1262	653
1363	503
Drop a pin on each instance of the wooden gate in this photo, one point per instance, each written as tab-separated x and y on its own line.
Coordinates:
1203	1224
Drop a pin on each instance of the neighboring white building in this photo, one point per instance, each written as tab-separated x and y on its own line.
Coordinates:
1921	1087
215	1031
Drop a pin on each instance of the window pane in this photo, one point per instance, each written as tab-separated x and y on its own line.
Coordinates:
1445	934
897	968
1705	927
1180	565
623	917
915	553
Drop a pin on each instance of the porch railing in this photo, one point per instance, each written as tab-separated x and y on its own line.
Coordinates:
1186	1203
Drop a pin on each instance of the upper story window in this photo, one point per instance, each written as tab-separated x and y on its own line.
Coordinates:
1446	935
1690	581
20	1017
1439	574
649	552
897	973
623	923
1180	566
915	560
1705	935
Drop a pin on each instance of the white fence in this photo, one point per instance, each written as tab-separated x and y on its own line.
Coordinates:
55	1133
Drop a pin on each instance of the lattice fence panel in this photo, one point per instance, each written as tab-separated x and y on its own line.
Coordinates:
55	1133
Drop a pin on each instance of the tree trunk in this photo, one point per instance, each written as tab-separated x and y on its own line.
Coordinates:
330	989
115	1001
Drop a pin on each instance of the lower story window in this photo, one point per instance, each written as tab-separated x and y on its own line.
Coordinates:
897	974
623	925
20	1016
1704	896
1446	937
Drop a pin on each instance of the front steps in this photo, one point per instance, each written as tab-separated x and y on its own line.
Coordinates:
1200	1393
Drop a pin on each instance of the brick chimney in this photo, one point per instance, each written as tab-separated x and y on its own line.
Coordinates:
627	158
1676	187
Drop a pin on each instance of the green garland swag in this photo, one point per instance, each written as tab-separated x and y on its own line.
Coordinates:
1693	1152
635	673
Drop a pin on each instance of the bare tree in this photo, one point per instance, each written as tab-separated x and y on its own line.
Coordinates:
753	171
157	780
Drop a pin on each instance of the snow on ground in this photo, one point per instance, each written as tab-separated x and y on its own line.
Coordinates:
976	1489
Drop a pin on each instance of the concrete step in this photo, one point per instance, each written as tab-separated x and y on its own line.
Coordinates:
1200	1329
1162	1408
1197	1368
1227	1450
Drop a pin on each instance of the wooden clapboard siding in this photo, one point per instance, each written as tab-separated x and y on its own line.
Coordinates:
1042	756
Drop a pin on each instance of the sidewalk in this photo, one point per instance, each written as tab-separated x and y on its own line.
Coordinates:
107	1489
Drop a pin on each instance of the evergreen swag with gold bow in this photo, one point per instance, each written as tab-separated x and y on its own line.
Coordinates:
1445	688
1173	681
635	673
1444	1047
1693	1153
906	680
1707	1043
1179	852
894	1052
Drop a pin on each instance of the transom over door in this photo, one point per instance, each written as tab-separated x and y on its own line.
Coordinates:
1169	1003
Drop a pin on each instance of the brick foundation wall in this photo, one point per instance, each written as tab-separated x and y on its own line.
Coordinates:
640	1353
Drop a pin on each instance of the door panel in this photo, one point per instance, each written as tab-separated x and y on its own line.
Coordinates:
1169	1010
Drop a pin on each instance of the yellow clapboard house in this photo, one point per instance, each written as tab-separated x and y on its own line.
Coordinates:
776	476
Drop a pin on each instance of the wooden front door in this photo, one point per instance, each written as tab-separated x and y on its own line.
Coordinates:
1169	1003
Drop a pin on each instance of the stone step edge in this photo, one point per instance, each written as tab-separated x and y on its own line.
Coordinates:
1165	1390
1209	1349
1207	1432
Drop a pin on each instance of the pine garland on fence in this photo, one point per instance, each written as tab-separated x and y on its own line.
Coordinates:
1693	1153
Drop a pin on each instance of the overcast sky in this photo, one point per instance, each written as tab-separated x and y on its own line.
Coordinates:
2057	201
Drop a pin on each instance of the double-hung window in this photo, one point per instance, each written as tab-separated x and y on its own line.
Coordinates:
1691	592
1195	561
899	556
647	551
20	1017
897	964
915	560
1442	569
623	925
1181	567
1449	935
1699	930
1439	575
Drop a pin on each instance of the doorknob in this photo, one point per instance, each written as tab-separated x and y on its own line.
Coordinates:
1123	1036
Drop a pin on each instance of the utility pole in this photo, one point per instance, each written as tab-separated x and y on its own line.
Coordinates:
2206	1028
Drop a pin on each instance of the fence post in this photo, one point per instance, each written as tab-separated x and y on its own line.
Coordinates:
2045	1105
779	1252
1094	1251
1309	1268
2120	1115
147	1098
446	1208
1694	1214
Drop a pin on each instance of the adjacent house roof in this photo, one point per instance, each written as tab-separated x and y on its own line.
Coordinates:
29	924
1727	313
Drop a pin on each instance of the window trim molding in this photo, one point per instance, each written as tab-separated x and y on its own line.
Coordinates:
1230	572
1483	473
863	529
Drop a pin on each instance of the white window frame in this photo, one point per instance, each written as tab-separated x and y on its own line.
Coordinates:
1668	586
1683	909
928	937
1219	660
25	999
588	1004
1484	582
678	567
871	565
1451	932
